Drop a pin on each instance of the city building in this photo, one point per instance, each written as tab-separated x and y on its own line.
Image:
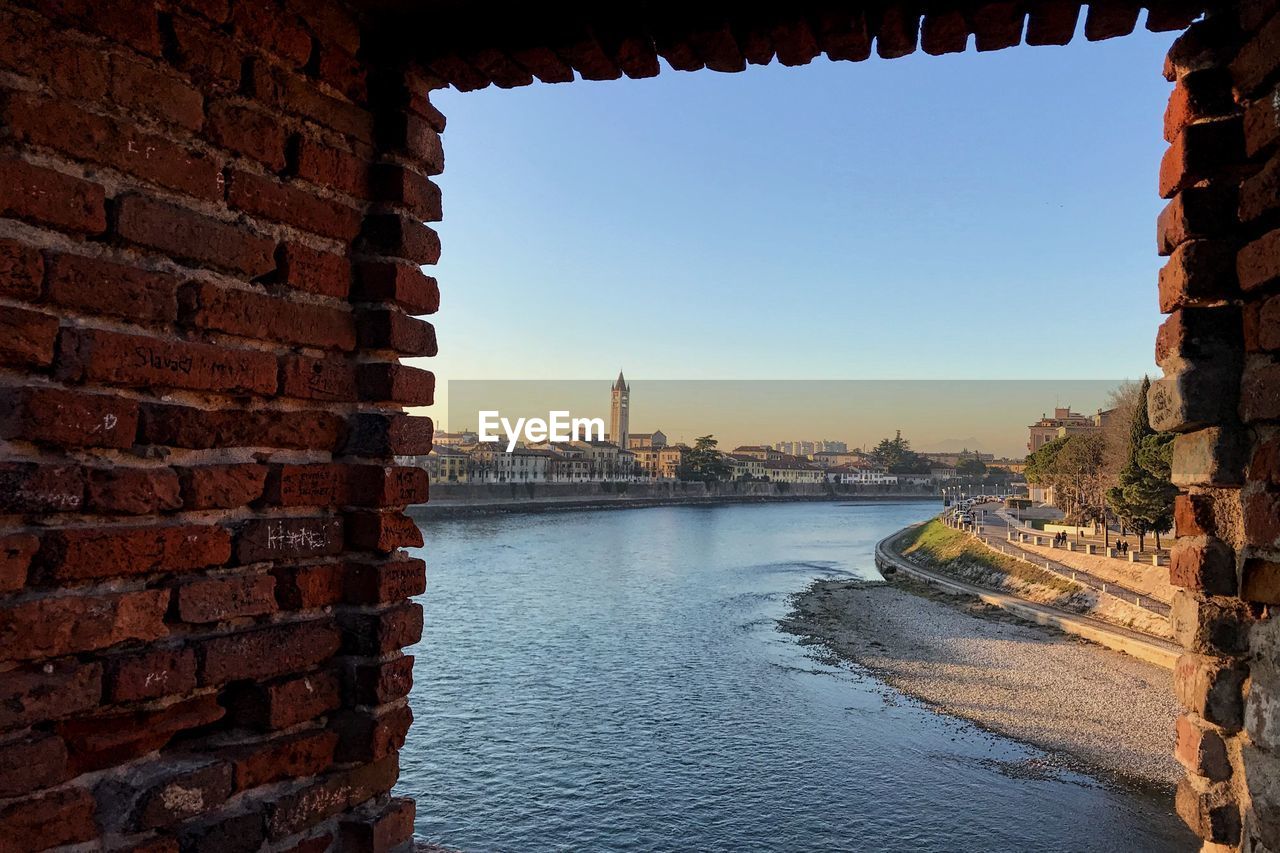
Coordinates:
643	439
445	464
856	475
455	439
1063	423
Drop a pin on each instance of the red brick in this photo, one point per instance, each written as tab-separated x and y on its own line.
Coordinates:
330	23
29	487
1262	124
379	682
1205	564
133	491
1262	326
183	794
51	198
1258	57
385	583
221	486
211	59
382	830
98	139
366	735
414	137
256	315
332	167
1199	334
388	486
183	426
395	383
1196	213
1201	151
343	72
1198	273
16	552
1265	466
1110	21
223	598
323	484
1258	398
314	271
382	531
284	703
138	86
297	810
266	652
309	587
283	202
266	25
1258	263
133	22
150	674
1211	688
250	132
1262	519
312	844
1201	749
292	93
101	287
398	185
27	337
262	539
403	284
332	379
31	762
383	632
67	418
142	361
385	328
226	830
101	552
64	816
32	48
48	691
49	627
1210	812
1261	581
401	236
291	757
383	435
1052	22
151	843
1260	194
21	271
944	32
106	739
191	236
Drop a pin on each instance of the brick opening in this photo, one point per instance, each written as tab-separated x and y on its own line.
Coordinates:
212	221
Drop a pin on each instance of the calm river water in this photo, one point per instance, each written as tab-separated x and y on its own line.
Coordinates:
614	680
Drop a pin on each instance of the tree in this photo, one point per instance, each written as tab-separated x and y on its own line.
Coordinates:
1143	495
972	467
703	463
896	456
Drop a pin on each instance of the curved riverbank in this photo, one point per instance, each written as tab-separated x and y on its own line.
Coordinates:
1090	708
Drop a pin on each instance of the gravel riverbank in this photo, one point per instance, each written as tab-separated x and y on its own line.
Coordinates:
1092	709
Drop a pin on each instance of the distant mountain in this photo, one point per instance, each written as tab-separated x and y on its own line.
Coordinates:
955	445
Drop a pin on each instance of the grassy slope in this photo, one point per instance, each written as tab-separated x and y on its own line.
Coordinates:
936	546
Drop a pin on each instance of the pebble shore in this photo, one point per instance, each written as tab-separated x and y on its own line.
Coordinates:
1091	708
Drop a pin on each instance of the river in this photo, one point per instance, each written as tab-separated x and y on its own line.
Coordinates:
614	680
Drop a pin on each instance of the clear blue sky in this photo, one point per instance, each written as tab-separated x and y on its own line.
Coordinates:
882	219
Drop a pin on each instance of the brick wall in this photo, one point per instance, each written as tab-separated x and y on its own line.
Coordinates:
210	231
1221	393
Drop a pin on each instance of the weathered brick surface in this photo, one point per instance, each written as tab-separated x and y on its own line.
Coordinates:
64	418
75	554
251	314
192	236
99	286
285	702
403	284
51	198
141	361
266	652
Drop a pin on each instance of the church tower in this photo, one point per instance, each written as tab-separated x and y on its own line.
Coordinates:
619	412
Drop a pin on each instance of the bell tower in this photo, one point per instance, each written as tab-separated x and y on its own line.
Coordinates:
619	412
